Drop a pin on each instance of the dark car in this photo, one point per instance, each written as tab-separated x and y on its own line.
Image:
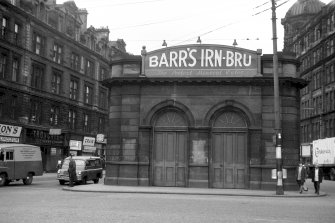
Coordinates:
87	168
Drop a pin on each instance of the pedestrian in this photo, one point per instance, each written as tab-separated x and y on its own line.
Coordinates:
317	175
72	171
301	175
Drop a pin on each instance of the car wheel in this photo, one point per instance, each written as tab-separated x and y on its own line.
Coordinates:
3	179
61	182
96	181
332	174
28	180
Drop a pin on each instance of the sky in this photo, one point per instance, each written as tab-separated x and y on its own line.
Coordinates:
180	22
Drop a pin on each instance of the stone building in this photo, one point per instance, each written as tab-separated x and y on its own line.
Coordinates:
51	65
201	116
310	33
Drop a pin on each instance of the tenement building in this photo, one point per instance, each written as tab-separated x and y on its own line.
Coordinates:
310	33
201	116
51	65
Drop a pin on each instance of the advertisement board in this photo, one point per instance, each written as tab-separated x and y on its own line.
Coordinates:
75	145
324	151
203	60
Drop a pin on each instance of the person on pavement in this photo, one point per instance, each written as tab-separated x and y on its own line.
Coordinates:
72	171
317	175
301	175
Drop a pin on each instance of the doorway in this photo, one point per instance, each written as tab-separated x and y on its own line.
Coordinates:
170	150
229	151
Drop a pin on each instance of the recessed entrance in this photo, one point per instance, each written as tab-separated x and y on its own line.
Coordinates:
229	151
170	149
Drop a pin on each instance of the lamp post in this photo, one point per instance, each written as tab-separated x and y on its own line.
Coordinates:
279	186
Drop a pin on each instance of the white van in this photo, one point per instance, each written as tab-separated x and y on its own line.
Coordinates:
19	161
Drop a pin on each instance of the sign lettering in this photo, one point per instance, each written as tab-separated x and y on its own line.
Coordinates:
201	61
10	130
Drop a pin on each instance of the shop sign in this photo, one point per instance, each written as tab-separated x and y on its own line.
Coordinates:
40	137
10	130
75	145
55	132
9	139
202	61
89	149
101	139
88	141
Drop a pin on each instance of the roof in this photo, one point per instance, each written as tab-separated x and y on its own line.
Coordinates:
302	7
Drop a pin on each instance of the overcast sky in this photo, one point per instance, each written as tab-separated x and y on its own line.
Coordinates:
179	22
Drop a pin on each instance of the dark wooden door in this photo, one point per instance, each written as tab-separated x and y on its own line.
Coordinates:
170	159
229	160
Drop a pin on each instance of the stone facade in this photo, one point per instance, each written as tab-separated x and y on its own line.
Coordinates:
212	132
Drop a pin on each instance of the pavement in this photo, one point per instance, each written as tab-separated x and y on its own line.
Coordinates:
186	191
102	188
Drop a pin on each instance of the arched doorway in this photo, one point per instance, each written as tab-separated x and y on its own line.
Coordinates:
229	151
170	149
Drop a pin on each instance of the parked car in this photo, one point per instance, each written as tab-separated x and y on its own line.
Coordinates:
87	168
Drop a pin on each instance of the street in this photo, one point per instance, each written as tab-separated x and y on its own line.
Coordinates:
45	201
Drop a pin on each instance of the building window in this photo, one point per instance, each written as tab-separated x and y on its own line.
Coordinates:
15	69
57	53
86	123
101	125
17	36
13	2
103	99
88	97
74	89
75	61
38	45
332	73
56	82
72	119
37	76
35	112
102	74
4	28
13	107
89	68
3	65
54	115
2	106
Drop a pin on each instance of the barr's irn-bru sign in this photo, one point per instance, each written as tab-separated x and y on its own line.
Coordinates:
202	61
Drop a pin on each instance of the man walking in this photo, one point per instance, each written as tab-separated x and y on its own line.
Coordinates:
72	171
301	175
317	175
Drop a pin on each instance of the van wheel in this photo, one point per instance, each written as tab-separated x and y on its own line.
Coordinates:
96	181
61	182
3	179
28	180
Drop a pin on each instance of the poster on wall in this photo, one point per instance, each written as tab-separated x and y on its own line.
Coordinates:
199	152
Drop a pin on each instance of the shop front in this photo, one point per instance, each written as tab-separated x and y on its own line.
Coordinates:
53	146
200	116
